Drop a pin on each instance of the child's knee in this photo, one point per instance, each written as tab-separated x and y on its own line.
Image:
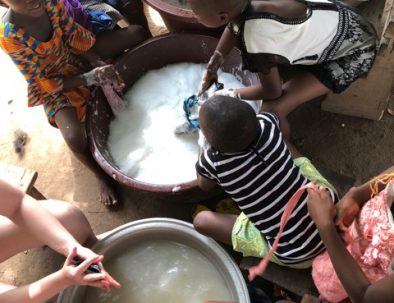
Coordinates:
72	218
138	33
203	220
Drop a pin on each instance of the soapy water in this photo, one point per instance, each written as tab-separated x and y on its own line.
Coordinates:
162	271
141	139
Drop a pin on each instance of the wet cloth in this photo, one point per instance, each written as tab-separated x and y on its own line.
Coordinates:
335	43
261	180
248	240
371	243
45	64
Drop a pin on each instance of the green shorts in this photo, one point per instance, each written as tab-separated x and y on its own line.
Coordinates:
248	240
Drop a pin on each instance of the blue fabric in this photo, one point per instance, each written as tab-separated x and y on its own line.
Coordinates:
189	103
100	21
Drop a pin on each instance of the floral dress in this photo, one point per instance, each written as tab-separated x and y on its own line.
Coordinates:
45	63
371	243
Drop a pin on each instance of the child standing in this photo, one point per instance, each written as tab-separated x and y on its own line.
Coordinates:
250	160
336	45
50	49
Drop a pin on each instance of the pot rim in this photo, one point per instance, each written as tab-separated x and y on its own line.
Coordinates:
169	224
174	11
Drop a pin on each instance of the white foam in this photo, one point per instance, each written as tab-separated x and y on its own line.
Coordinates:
162	271
142	140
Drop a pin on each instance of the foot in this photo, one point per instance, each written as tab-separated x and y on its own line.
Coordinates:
108	195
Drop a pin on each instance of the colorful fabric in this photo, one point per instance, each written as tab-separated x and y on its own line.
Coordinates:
45	64
371	243
78	13
248	240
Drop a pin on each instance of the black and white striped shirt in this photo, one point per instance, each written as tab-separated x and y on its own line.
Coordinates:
261	180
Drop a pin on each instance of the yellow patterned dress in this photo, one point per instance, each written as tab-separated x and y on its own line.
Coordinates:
44	64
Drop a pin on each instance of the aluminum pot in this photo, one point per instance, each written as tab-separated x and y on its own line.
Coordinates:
182	232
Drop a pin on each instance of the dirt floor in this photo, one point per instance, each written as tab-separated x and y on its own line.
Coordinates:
354	147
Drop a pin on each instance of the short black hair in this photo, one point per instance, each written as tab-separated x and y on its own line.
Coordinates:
229	124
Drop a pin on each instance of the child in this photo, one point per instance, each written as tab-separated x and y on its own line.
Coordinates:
249	159
26	223
364	270
50	49
336	45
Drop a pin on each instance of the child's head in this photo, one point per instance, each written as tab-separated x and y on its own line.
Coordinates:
31	8
215	13
229	125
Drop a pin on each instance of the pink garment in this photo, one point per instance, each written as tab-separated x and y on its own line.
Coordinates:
371	243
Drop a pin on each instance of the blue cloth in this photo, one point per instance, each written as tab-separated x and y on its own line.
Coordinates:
188	105
100	21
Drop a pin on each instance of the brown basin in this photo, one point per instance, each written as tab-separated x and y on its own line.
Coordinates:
179	19
154	54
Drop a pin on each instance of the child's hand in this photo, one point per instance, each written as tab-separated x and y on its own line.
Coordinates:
347	210
106	280
208	79
320	207
76	274
228	92
102	75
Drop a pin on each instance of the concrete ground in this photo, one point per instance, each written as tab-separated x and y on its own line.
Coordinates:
354	147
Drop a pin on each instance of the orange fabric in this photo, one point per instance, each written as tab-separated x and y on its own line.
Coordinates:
45	64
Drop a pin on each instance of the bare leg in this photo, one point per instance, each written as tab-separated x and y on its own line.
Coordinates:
302	88
112	43
215	225
14	239
75	136
133	11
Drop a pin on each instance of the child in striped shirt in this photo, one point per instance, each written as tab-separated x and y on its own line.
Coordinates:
252	162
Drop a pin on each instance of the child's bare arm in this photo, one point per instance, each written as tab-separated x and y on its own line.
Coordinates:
349	206
205	184
225	45
269	88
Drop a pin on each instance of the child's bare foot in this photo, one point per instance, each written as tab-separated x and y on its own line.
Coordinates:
108	195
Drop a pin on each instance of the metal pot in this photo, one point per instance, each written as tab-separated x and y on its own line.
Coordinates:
126	235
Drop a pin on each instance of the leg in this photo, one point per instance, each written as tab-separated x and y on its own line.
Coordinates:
215	225
13	239
112	43
302	88
75	136
133	11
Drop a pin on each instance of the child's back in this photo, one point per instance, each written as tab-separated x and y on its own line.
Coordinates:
260	178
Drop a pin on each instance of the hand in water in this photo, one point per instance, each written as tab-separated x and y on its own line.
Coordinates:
228	92
208	79
106	280
103	75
